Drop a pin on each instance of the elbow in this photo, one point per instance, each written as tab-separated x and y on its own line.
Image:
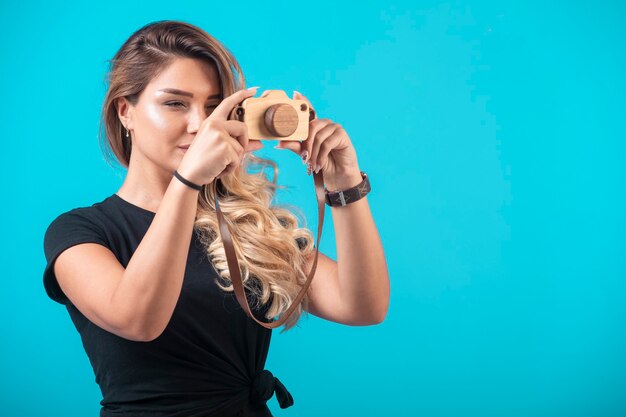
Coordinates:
379	318
381	313
375	315
148	339
372	318
368	321
141	334
143	331
150	335
137	330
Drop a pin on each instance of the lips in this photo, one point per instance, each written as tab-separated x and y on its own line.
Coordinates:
184	146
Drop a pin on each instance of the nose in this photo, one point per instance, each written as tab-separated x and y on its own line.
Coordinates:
196	118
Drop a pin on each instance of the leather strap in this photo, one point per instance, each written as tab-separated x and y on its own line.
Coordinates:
345	197
233	264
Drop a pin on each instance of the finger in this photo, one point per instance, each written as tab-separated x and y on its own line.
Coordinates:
293	145
233	162
328	145
298	96
321	136
314	126
239	131
222	111
254	145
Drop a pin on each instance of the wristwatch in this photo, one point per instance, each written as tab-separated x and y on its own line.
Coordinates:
345	197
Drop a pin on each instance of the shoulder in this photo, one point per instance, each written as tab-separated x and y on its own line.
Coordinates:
77	216
94	217
78	225
74	226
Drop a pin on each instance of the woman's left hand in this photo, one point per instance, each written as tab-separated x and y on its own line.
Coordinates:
328	147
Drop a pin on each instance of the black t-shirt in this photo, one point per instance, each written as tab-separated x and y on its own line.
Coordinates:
209	360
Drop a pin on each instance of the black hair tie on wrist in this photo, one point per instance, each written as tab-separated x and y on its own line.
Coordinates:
187	182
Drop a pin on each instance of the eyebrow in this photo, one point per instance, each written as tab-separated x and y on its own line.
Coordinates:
185	93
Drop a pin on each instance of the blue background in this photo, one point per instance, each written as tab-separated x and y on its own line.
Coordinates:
494	137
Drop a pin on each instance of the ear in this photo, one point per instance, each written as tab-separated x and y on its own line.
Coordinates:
124	112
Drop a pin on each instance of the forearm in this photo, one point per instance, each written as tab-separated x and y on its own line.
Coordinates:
152	281
362	268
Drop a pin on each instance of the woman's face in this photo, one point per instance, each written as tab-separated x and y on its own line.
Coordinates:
162	121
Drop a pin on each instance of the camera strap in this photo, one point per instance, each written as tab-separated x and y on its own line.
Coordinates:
233	264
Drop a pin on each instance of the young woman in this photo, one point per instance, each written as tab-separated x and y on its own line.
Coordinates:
143	273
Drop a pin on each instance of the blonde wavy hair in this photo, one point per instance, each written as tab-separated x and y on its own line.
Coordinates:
271	248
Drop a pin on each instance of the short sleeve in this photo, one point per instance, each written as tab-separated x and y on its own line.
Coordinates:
67	230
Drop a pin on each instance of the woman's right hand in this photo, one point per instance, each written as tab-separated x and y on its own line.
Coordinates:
219	146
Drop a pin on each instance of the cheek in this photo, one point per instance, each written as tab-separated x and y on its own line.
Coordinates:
158	119
162	127
160	132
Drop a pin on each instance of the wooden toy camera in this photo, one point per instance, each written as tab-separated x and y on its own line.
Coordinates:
274	116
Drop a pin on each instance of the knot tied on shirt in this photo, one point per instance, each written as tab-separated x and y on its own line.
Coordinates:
263	387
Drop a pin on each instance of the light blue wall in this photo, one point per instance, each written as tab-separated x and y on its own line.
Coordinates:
494	137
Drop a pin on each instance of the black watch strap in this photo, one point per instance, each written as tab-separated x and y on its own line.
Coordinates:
345	197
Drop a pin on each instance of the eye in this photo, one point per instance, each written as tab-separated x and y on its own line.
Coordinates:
178	104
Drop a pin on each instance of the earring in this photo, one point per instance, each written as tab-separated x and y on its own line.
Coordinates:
127	135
